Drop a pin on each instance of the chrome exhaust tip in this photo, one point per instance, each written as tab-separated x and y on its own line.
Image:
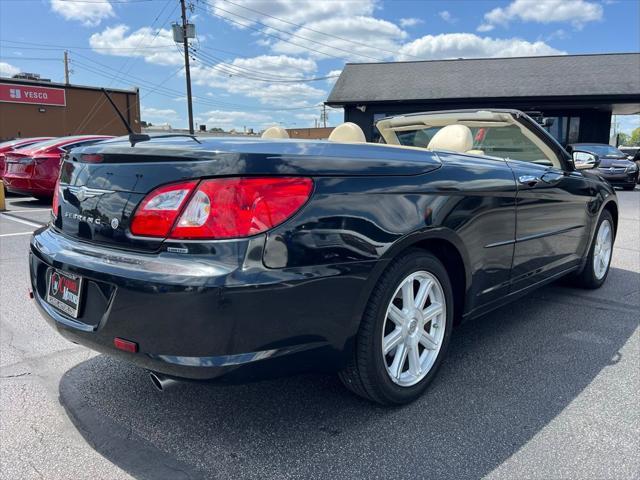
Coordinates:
162	383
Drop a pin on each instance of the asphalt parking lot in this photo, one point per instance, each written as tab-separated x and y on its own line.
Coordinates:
545	388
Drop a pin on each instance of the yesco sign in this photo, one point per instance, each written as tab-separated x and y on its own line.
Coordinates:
13	93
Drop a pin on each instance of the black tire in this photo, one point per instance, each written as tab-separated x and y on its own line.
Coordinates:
628	187
366	374
587	277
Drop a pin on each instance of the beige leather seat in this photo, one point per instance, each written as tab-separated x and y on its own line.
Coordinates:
275	132
348	133
455	138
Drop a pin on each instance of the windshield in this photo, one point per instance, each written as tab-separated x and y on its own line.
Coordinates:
503	142
600	150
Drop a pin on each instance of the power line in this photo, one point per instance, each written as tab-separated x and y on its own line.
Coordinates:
171	93
100	102
49	46
355	42
251	74
280	38
270	27
30	58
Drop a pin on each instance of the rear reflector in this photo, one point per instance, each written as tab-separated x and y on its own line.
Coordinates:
125	345
220	208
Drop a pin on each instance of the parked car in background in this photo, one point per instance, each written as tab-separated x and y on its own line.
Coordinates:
633	154
8	146
613	165
33	169
240	257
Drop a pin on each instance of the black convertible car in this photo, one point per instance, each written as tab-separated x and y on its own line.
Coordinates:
238	258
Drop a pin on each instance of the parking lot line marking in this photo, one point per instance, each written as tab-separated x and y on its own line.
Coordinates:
20	220
14	234
29	210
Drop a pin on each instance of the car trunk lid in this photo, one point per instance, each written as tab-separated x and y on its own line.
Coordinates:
101	185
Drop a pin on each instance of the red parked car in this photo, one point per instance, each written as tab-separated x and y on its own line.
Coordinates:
9	145
33	170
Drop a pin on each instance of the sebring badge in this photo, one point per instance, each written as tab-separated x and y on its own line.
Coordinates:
81	193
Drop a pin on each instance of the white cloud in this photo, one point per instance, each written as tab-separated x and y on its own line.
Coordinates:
116	41
365	38
8	70
162	114
469	45
335	74
307	117
559	34
485	27
299	12
322	29
447	17
275	65
577	12
410	22
89	14
235	119
287	94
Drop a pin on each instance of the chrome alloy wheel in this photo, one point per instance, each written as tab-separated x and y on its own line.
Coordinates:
602	249
414	328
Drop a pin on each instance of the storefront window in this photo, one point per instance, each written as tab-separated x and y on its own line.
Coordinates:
565	129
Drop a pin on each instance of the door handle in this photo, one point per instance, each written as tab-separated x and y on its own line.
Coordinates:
552	177
530	180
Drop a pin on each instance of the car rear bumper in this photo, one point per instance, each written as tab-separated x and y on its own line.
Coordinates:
199	319
28	186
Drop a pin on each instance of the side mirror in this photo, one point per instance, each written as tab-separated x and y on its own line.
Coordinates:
585	160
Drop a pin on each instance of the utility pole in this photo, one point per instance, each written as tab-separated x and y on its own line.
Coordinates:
323	116
187	70
66	67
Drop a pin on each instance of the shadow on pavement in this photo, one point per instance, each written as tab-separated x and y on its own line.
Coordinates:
506	377
28	202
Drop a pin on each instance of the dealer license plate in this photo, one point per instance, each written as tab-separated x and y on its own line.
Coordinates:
63	292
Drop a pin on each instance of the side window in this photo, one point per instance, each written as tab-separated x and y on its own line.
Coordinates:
509	143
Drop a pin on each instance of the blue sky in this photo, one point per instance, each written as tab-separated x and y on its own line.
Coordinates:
262	62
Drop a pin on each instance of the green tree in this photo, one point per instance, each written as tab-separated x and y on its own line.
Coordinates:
635	137
623	139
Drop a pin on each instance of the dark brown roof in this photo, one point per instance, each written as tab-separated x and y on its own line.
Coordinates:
616	74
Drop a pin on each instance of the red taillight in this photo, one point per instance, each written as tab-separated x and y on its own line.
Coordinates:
230	208
158	211
55	204
240	207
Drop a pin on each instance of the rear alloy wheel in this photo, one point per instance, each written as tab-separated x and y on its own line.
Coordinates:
414	328
404	332
598	260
